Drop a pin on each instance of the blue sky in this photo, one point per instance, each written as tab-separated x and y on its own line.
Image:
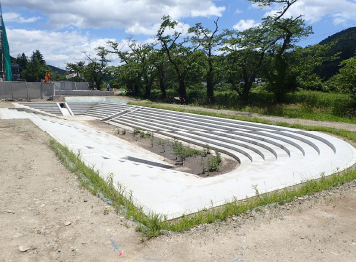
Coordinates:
64	30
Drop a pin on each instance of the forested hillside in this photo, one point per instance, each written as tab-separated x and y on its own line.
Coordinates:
345	44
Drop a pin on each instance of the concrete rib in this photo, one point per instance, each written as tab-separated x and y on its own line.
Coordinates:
212	126
158	126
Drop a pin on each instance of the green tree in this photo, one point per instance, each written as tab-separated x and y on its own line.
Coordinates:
245	52
78	69
140	58
97	69
346	79
35	71
183	58
164	71
137	69
38	55
304	61
123	74
207	40
286	32
142	65
21	60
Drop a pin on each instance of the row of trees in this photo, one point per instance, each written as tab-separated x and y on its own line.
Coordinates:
209	58
96	71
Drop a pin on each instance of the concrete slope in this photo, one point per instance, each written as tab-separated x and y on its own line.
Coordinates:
271	157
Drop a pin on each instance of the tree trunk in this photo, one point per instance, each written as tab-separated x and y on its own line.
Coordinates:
209	82
162	86
246	91
279	84
182	89
147	91
148	87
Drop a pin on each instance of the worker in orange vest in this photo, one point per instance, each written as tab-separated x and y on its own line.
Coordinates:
47	77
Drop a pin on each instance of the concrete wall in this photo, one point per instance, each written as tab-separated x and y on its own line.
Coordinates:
39	90
26	90
67	85
6	90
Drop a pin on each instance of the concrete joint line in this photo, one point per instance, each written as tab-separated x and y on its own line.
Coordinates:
127	111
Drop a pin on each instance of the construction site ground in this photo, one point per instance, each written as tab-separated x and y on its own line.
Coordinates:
46	216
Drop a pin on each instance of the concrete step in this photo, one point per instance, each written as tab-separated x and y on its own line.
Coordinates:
6	113
49	107
186	119
103	110
249	148
160	124
80	108
256	142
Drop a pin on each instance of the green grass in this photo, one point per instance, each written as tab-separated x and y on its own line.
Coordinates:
313	105
156	224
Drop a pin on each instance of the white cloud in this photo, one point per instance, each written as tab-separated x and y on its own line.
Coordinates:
245	24
115	13
339	20
14	17
60	48
314	10
135	17
138	29
211	11
57	48
152	31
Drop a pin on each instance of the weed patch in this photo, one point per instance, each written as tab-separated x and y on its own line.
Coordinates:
181	152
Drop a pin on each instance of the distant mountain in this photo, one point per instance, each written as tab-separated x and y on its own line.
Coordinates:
58	70
345	44
53	68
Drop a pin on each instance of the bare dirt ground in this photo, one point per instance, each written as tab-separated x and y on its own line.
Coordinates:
46	216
